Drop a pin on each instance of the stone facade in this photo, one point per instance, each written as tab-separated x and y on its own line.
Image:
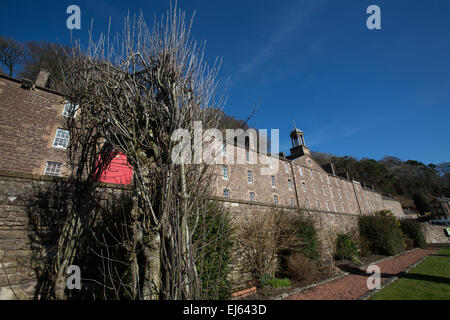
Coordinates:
435	233
26	215
29	119
299	182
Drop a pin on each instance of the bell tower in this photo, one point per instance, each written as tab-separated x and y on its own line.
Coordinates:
298	144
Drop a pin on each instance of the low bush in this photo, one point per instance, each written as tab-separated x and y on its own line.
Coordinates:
309	244
413	230
364	247
383	233
347	248
275	282
300	268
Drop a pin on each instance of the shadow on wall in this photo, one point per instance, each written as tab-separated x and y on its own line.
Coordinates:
101	251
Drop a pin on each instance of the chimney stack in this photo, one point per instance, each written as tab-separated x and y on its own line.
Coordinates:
42	78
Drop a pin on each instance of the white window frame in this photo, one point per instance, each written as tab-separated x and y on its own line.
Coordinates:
290	184
226	193
273	182
225	173
275	199
304	186
66	109
250	176
48	170
59	136
300	169
251	196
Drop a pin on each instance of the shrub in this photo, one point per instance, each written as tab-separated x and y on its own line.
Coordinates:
308	244
413	230
364	246
300	268
346	248
213	242
261	239
275	282
383	233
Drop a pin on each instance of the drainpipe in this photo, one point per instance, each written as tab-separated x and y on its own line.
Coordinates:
295	183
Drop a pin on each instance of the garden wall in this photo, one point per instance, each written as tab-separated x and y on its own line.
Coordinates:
435	233
327	224
30	208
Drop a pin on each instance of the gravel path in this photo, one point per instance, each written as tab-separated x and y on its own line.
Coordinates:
354	285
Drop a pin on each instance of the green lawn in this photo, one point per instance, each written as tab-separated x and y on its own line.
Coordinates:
430	280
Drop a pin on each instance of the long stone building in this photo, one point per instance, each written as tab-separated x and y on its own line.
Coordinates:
34	140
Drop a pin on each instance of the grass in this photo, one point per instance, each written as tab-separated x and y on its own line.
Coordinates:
430	280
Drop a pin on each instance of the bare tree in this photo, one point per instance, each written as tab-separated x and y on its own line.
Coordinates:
135	91
11	53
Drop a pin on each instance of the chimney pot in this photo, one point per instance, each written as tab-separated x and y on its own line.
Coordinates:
42	78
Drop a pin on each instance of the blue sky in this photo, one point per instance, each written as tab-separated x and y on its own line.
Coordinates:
353	91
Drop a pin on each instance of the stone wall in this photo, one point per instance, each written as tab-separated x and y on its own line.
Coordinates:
327	224
29	209
435	233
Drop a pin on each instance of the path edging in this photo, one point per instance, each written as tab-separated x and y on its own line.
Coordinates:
391	280
298	290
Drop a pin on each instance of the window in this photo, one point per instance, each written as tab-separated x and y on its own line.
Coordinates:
224	149
270	162
69	109
328	178
334	206
331	193
247	156
286	167
320	176
300	169
289	184
249	176
343	207
328	206
304	186
318	204
306	203
351	208
61	138
226	193
337	182
348	196
324	191
252	196
275	199
339	193
315	189
272	178
292	201
52	168
225	172
312	173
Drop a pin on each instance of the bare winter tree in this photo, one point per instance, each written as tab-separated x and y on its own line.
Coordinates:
134	92
11	53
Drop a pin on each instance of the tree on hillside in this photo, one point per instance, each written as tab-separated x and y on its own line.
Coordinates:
421	203
44	55
11	53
